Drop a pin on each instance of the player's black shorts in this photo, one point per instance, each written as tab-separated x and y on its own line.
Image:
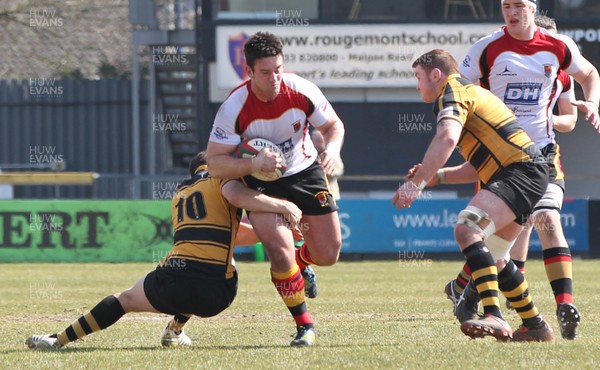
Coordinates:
552	154
521	185
307	189
182	287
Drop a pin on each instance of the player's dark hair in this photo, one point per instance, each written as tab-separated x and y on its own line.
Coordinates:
198	160
437	58
262	45
545	22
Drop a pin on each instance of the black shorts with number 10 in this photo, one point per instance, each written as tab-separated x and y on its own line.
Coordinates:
307	189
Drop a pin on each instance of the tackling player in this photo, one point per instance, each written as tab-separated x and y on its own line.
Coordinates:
198	276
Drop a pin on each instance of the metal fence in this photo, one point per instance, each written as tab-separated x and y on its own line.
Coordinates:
82	125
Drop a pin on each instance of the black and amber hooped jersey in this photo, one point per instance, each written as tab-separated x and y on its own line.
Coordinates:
491	138
205	225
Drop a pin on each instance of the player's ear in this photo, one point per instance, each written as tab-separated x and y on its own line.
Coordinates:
249	70
436	74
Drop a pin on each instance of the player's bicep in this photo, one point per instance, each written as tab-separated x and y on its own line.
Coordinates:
454	111
323	115
332	124
586	70
221	161
449	127
223	129
214	150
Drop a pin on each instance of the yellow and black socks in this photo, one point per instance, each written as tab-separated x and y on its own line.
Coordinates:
559	269
485	276
106	313
515	288
290	286
179	321
520	265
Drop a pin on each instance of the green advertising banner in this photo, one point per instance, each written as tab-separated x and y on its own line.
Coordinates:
85	231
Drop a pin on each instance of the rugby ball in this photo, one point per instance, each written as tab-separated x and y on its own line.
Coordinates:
249	149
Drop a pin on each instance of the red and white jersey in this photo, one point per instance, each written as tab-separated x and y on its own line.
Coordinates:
284	121
564	89
523	73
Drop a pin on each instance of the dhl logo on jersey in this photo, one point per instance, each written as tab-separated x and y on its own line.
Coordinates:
523	93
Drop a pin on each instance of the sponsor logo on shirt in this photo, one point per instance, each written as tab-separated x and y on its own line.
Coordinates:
506	72
220	134
287	148
547	70
467	62
522	93
296	125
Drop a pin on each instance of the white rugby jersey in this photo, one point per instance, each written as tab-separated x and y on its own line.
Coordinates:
523	74
564	87
284	121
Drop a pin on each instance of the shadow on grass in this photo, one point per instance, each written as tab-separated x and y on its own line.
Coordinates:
67	350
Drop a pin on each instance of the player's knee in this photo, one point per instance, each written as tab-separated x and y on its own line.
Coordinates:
541	216
125	298
327	256
326	260
465	235
547	221
478	220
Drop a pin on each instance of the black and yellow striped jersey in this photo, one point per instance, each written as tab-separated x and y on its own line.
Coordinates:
205	225
491	138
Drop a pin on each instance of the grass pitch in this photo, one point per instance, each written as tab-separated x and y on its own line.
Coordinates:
368	315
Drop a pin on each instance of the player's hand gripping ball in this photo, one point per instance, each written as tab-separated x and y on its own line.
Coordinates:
251	147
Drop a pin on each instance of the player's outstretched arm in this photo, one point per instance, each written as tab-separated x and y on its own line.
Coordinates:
440	149
461	174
